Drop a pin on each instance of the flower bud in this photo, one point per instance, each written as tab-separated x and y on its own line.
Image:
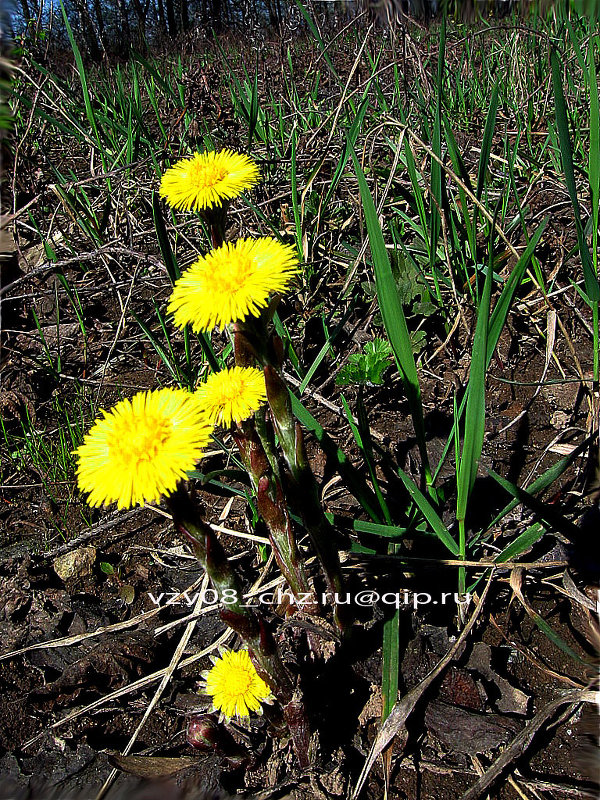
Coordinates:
202	732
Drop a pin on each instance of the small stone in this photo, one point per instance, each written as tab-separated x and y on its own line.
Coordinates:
127	594
559	420
76	564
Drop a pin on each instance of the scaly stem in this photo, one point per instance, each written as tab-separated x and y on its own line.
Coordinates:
209	552
272	508
216	218
250	626
306	490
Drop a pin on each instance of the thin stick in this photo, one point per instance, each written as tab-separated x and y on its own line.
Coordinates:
523	739
403	708
183	642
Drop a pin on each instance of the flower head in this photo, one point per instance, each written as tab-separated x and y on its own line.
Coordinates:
207	179
235	686
232	282
141	448
232	394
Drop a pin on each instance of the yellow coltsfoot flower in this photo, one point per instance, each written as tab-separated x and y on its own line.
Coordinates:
141	448
232	394
235	686
208	179
232	282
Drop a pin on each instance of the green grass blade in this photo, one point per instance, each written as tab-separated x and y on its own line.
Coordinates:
460	169
590	278
522	543
544	511
253	108
504	302
497	320
436	186
362	437
294	189
351	138
162	353
166	250
89	111
290	353
329	339
155	72
351	477
429	512
551	634
486	145
594	157
545	480
317	36
475	410
392	313
594	178
377	529
390	666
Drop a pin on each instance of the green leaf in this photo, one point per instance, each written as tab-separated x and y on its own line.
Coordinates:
351	477
436	182
522	543
546	479
392	313
592	287
428	511
351	138
366	368
166	250
475	412
486	145
314	30
547	513
390	666
504	302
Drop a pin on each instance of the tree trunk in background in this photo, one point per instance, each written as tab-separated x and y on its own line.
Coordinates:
123	22
185	16
99	23
171	20
216	12
141	15
274	9
94	46
279	14
160	13
26	10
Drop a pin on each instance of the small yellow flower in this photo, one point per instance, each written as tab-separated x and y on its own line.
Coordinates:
207	179
235	686
232	394
232	282
141	448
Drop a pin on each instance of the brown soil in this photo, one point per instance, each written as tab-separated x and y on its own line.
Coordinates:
468	716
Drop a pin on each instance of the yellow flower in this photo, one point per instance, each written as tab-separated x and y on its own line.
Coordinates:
207	179
232	282
232	394
235	686
141	448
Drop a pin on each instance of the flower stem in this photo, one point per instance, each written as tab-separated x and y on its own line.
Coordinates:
216	218
251	627
272	508
306	490
209	552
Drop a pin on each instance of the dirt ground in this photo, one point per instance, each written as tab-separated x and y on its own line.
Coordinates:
85	646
